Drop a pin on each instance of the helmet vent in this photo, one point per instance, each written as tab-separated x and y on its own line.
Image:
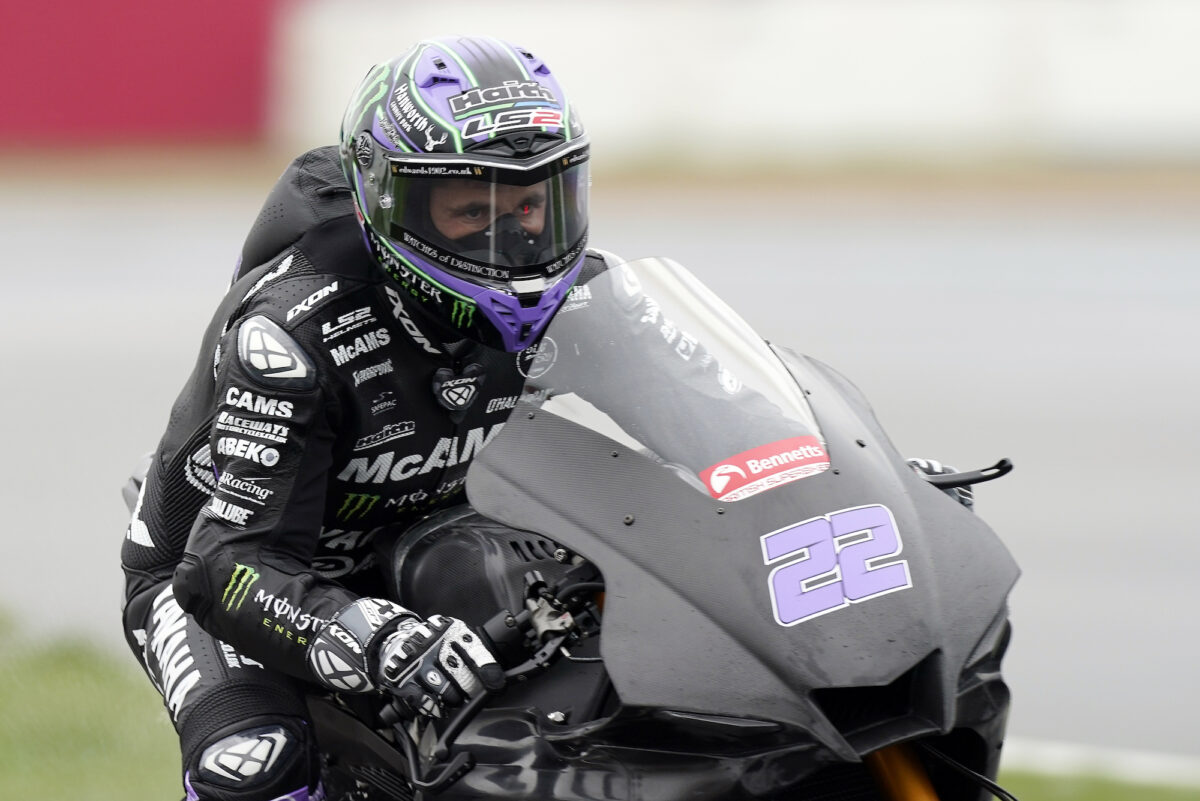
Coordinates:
538	66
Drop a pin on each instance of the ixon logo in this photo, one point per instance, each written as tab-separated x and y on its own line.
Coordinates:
307	304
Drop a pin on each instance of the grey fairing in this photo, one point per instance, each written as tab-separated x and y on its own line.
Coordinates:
688	621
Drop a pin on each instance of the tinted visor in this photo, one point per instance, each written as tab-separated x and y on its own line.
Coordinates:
488	224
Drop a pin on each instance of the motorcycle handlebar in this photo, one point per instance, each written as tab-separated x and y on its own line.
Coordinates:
503	630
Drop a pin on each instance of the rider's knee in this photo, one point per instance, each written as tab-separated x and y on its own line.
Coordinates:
259	760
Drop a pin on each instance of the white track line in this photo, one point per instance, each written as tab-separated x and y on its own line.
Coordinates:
1138	767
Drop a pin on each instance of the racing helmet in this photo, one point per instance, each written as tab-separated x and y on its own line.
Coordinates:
469	171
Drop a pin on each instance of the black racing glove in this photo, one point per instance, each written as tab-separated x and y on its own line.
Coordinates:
436	664
373	644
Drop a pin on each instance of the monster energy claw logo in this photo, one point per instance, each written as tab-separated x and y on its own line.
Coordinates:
463	313
240	582
356	504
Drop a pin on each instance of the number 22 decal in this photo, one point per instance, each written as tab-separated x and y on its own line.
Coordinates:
834	561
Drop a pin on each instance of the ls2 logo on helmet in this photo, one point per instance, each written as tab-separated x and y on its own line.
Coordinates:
512	120
829	562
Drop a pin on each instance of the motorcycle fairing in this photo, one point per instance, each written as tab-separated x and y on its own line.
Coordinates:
689	623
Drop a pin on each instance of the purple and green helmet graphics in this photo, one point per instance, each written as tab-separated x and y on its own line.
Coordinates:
470	176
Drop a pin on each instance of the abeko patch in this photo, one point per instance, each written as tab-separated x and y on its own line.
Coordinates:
765	467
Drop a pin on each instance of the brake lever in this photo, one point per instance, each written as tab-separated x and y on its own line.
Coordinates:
459	722
461	763
969	477
442	775
454	770
543	658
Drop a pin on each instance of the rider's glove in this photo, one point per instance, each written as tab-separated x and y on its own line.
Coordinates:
342	655
932	467
375	644
435	664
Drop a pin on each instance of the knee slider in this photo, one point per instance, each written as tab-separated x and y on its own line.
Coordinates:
255	763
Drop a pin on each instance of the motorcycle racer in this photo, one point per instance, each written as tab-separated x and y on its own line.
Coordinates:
387	309
390	297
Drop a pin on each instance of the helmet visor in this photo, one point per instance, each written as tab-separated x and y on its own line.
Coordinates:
488	224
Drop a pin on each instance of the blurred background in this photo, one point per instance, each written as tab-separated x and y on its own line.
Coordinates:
983	212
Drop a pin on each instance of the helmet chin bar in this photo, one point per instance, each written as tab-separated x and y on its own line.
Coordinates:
520	326
513	326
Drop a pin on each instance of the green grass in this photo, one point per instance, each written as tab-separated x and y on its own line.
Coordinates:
77	723
1032	787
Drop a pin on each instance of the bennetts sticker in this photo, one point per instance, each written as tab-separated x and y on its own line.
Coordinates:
765	467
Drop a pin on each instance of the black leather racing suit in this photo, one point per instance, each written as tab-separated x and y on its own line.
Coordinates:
317	419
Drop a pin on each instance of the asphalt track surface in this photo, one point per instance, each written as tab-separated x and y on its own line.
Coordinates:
1055	327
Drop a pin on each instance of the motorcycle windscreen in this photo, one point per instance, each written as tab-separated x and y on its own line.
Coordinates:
649	357
751	555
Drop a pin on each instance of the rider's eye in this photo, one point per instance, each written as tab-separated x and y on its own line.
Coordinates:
530	204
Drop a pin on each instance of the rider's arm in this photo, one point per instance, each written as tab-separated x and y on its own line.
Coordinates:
246	573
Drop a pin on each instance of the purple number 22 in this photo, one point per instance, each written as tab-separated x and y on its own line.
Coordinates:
833	561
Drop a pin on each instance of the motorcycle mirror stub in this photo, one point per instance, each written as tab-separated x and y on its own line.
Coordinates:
965	479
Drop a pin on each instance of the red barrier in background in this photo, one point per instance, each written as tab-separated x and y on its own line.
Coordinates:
79	72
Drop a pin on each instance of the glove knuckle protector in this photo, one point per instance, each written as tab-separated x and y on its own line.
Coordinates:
341	654
435	664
